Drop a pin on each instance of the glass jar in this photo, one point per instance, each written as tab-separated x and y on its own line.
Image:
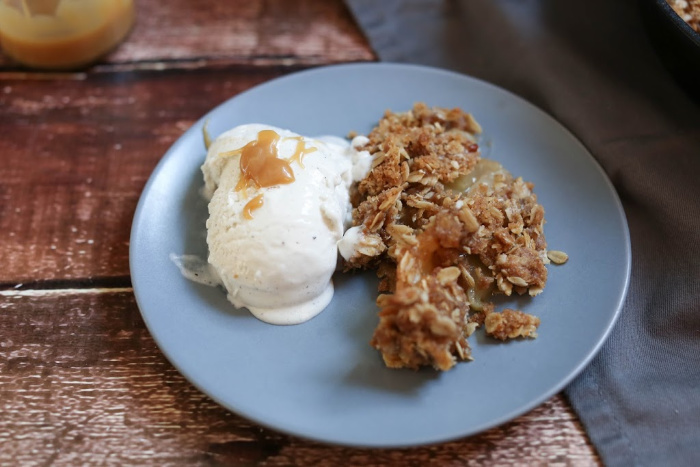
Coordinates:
63	34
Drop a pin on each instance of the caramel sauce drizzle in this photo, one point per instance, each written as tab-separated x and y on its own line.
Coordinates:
252	205
261	166
300	151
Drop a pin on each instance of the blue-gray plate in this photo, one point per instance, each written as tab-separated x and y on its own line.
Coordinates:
321	380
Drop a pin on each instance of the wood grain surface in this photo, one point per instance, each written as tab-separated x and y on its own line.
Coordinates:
77	154
81	380
186	33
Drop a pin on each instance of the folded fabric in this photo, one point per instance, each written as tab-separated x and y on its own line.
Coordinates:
589	63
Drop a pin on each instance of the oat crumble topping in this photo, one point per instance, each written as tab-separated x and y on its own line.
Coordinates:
445	229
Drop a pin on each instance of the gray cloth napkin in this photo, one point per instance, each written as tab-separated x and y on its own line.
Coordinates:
589	64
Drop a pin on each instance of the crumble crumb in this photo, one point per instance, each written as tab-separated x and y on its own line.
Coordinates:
511	324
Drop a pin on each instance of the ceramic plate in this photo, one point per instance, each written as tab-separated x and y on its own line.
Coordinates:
321	380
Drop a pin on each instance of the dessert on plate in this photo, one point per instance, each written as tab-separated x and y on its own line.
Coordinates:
445	229
278	206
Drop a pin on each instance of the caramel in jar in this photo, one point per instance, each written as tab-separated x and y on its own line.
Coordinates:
62	34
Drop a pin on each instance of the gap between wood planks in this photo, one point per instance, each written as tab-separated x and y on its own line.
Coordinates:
285	62
50	292
67	287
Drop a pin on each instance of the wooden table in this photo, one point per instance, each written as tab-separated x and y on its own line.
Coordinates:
81	380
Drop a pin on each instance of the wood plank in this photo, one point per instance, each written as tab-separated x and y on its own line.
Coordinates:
273	32
82	382
76	155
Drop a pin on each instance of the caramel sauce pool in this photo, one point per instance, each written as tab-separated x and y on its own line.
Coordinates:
261	166
61	34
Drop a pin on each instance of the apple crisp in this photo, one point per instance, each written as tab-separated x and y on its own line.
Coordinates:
445	230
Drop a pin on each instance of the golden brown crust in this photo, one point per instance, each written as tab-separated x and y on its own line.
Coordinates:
423	324
424	142
441	242
510	238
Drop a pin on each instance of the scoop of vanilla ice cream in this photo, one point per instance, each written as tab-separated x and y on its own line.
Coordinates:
279	263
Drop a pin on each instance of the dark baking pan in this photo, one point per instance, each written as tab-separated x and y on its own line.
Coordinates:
677	44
